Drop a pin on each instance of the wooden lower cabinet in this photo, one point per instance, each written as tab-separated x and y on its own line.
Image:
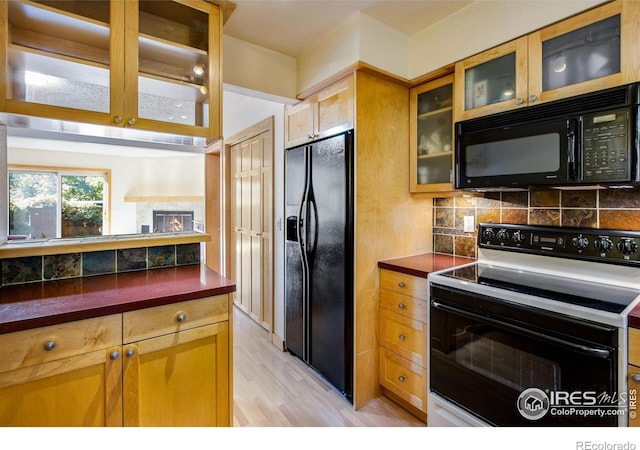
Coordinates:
403	340
180	379
173	368
62	375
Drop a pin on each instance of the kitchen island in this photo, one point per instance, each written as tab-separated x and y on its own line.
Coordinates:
145	348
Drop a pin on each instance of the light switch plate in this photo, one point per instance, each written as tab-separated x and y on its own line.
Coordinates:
469	224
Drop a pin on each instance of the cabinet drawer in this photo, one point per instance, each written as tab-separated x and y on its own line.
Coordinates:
404	305
634	346
156	321
404	336
405	379
403	283
40	345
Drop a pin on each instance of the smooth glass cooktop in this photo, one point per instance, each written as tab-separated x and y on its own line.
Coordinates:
594	295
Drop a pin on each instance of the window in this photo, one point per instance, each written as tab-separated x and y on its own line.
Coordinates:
47	204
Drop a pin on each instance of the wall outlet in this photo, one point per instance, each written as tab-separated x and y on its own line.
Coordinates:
469	224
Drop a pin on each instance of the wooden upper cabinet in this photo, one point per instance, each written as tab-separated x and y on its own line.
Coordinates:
152	65
326	113
585	53
431	139
492	81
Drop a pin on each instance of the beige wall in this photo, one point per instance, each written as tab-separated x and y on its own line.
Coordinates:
479	26
482	25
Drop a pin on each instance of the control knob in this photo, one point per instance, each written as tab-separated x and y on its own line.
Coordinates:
487	235
503	236
519	237
603	244
627	246
580	242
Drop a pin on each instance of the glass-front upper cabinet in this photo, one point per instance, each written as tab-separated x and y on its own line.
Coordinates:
152	65
59	58
431	139
177	65
590	51
492	81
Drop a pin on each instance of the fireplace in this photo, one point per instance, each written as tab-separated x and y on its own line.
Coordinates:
172	221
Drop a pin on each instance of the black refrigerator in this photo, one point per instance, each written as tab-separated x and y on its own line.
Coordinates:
319	257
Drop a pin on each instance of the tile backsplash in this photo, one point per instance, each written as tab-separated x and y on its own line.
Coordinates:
607	208
73	265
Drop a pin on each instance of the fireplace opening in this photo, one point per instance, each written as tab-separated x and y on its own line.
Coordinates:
172	221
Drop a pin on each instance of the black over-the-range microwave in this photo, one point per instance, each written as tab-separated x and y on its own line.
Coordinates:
587	140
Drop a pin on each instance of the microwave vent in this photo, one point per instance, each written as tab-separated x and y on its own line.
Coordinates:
612	98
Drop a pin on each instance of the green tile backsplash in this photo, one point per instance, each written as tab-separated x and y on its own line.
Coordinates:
608	208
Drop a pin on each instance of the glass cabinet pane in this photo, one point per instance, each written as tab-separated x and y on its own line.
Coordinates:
59	53
491	82
584	54
173	63
434	135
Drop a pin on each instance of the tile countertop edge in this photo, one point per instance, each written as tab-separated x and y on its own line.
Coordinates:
55	302
424	264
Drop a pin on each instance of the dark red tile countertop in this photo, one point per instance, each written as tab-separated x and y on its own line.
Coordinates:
34	305
423	265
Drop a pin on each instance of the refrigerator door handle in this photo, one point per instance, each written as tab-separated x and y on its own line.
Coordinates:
312	224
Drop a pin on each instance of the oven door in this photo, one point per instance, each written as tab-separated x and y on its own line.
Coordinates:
513	365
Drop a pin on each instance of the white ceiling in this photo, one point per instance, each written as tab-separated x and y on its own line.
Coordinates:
290	26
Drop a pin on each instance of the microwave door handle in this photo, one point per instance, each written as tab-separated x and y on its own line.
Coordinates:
572	143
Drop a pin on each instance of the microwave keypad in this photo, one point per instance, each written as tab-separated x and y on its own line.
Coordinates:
606	144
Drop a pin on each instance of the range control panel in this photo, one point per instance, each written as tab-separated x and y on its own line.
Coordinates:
608	246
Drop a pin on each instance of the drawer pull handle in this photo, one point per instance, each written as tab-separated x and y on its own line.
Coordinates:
49	346
401	305
114	355
181	317
401	284
131	352
635	377
402	337
401	378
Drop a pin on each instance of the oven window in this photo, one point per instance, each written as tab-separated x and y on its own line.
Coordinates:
493	355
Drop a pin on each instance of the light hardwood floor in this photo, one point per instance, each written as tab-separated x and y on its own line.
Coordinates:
275	389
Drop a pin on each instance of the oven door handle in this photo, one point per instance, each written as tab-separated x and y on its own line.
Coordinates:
595	352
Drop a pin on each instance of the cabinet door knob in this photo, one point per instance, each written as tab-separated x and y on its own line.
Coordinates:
401	305
131	121
117	119
181	317
519	101
401	378
533	98
635	377
50	346
114	355
401	284
131	352
402	337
